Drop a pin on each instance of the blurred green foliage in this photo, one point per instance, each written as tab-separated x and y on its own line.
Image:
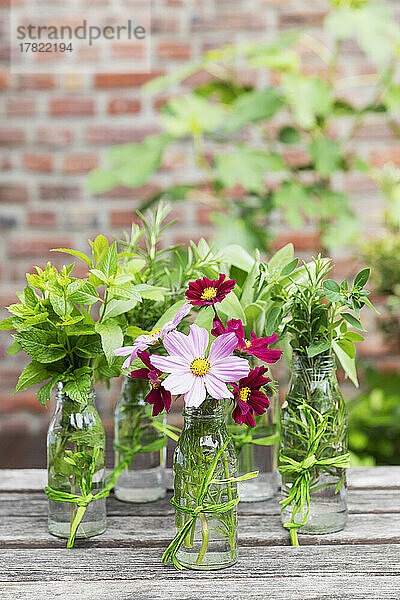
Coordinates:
248	138
374	420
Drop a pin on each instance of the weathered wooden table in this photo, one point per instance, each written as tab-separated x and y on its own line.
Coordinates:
362	562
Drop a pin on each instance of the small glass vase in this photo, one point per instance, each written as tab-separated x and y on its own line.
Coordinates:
314	381
143	480
77	428
212	542
254	457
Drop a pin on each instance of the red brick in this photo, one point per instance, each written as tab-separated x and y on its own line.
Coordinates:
133	51
302	240
42	163
80	163
161	24
21	246
4	79
20	107
174	51
21	401
359	184
36	82
13	193
57	137
121	218
72	107
117	135
374	131
141	193
229	21
296	158
203	215
11	136
42	219
123	106
119	80
59	192
301	19
379	158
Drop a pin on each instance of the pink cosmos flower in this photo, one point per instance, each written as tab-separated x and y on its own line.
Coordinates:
255	346
192	373
142	342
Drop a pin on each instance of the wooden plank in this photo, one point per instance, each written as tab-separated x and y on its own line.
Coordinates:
12	480
35	505
155	531
333	587
102	564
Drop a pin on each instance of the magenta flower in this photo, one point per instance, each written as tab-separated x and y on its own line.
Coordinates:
192	373
142	342
255	346
250	400
205	292
158	396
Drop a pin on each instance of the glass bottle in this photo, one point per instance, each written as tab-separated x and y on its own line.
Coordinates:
212	542
314	380
143	480
77	428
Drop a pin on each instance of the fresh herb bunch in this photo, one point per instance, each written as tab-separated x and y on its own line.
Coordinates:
317	313
70	326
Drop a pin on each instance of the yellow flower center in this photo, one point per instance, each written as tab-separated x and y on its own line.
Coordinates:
244	394
155	384
209	293
200	366
248	343
154	332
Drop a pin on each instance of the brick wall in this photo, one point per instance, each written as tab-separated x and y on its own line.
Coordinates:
56	128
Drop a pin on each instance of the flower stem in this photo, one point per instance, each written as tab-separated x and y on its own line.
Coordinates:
230	497
293	537
205	532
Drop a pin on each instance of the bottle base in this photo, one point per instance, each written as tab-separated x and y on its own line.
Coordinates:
85	530
213	561
320	524
264	487
139	495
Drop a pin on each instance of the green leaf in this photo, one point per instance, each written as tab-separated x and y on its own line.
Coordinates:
205	318
111	337
13	349
87	294
293	199
251	107
40	345
99	276
354	337
30	298
99	248
353	321
332	290
272	320
77	388
318	348
169	314
362	278
289	135
134	332
118	307
236	255
109	264
32	374
44	393
308	97
191	115
232	309
255	317
6	324
282	257
76	253
348	363
289	268
347	346
88	346
326	154
247	167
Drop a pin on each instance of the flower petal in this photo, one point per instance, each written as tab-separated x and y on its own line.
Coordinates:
199	338
230	369
169	364
223	346
124	351
177	343
216	388
179	383
197	393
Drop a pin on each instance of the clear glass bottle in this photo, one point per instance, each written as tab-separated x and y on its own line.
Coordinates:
143	480
212	543
78	428
314	380
254	457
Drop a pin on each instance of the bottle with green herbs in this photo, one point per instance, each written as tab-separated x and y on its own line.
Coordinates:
75	436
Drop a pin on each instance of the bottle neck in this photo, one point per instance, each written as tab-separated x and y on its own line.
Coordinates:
62	398
320	366
210	410
134	390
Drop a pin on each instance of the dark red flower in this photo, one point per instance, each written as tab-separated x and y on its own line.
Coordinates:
158	396
250	401
205	292
255	346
